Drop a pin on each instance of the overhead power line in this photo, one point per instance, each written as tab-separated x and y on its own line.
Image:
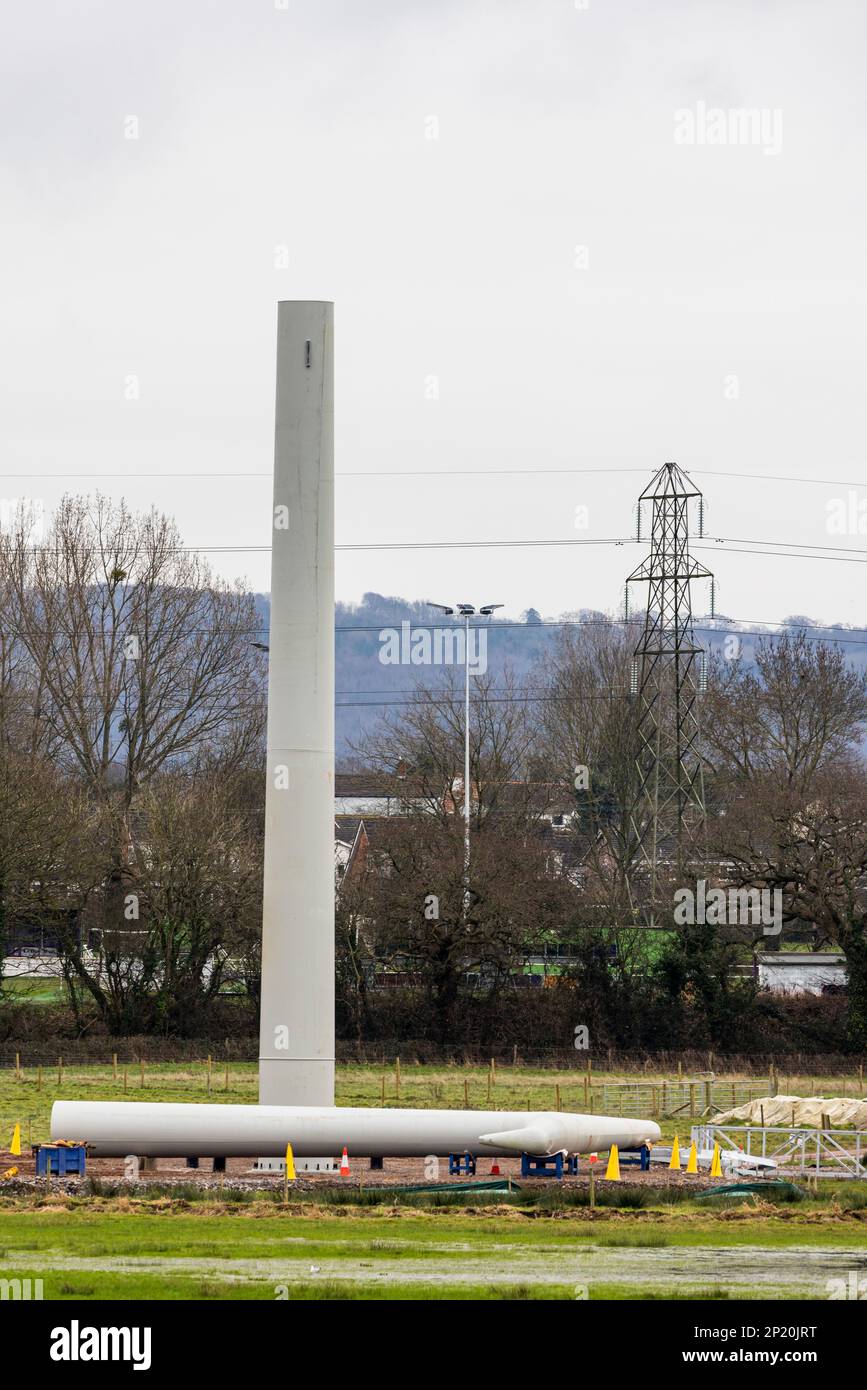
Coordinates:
801	549
376	545
846	558
441	473
723	628
604	620
423	699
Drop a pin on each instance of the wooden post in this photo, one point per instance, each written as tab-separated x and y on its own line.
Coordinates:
490	1080
680	1068
515	1055
39	1078
586	1091
141	1071
493	1071
209	1073
397	1077
592	1185
125	1080
114	1065
382	1092
861	1078
692	1100
17	1066
227	1076
60	1071
466	1094
557	1093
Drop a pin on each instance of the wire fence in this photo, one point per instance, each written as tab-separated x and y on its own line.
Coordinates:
31	1081
630	1066
686	1096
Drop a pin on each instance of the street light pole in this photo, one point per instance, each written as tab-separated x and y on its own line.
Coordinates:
466	611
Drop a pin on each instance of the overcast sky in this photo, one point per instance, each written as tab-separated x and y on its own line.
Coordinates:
532	269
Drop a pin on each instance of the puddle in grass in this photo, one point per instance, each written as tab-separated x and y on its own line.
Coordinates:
777	1272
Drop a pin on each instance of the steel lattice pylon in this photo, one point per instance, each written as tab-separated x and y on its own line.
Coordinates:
668	671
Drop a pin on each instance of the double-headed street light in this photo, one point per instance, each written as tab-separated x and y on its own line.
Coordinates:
466	611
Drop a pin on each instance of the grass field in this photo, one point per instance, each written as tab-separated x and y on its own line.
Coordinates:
160	1248
33	991
28	1101
166	1242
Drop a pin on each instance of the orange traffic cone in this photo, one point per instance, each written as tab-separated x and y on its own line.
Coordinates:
344	1164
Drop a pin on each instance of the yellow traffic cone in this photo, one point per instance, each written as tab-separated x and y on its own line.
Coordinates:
715	1165
675	1155
612	1172
15	1146
290	1164
692	1160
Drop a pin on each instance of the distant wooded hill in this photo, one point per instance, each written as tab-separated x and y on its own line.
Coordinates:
367	687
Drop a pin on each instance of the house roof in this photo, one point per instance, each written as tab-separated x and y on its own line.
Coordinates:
367	784
346	828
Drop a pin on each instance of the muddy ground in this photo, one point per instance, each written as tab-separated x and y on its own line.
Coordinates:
395	1172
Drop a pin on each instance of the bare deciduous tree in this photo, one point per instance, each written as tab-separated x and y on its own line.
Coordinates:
140	657
161	934
140	668
417	911
422	749
814	850
589	722
798	710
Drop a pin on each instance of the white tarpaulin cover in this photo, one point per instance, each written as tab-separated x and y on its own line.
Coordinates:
779	1111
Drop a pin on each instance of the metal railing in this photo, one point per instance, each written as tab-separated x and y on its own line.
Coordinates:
822	1153
688	1097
